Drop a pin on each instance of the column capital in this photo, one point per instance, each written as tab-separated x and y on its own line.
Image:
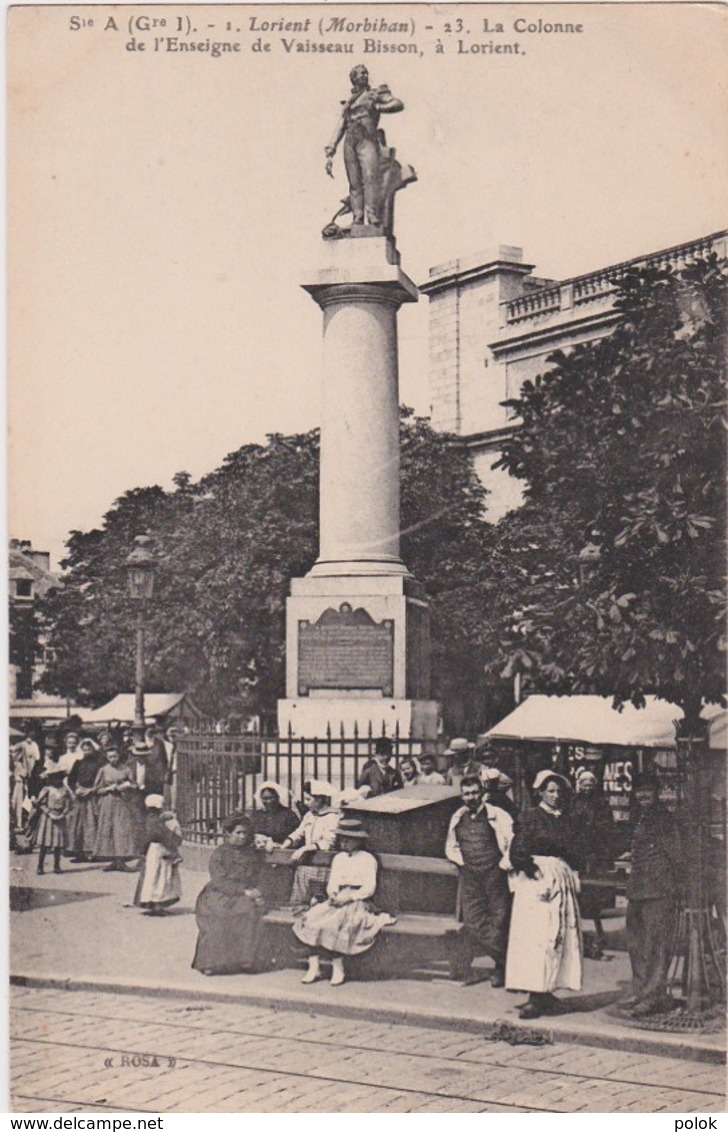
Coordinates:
360	271
392	293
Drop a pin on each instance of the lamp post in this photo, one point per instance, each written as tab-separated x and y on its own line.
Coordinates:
140	567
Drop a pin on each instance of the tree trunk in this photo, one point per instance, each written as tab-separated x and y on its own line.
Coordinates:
701	959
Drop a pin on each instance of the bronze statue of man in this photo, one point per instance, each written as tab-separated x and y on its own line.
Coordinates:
365	154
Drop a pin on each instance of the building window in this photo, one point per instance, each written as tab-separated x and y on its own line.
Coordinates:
23	587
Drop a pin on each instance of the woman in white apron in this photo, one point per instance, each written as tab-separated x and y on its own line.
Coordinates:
544	943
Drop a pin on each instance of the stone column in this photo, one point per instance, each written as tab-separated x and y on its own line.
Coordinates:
357	626
359	504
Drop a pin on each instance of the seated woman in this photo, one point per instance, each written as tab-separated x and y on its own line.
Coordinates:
229	908
544	944
317	831
344	924
273	820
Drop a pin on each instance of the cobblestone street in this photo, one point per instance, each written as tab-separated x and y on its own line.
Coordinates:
86	1051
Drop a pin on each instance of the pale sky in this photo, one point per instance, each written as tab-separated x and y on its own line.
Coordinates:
165	207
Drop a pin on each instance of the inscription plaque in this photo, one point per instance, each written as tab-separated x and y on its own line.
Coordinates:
346	649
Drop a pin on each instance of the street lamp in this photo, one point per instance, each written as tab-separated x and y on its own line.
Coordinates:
140	568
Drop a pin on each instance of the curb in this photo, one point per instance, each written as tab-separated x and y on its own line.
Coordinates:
676	1047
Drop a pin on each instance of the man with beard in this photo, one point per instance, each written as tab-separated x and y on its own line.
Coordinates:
478	841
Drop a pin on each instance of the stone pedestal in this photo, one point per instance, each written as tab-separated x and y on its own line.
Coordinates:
357	638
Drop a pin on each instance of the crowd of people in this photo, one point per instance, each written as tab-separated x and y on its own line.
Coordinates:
104	799
520	869
520	875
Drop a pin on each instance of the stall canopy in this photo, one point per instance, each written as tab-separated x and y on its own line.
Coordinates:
157	705
593	720
43	708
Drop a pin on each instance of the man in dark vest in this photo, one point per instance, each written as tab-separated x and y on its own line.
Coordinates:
653	891
477	842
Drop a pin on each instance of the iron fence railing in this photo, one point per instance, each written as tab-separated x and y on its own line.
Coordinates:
219	774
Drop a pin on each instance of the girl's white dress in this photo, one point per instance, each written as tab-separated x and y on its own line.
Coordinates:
352	927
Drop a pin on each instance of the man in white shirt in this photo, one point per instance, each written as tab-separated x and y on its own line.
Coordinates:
478	841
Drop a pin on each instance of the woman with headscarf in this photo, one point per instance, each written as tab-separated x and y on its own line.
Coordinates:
229	908
159	883
544	943
317	831
345	923
83	821
273	819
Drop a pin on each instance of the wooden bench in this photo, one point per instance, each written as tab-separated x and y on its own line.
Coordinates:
419	936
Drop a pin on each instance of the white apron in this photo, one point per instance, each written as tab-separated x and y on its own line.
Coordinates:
544	944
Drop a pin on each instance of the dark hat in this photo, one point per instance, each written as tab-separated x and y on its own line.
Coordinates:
383	746
351	827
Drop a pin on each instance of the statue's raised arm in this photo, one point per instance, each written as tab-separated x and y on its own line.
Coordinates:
372	171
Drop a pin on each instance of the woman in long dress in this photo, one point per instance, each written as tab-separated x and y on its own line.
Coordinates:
229	908
345	923
544	943
83	820
116	839
159	883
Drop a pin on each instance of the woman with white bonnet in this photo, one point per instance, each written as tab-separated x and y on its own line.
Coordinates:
345	923
316	832
544	944
159	882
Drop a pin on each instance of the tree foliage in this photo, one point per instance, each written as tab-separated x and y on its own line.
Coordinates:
227	548
622	446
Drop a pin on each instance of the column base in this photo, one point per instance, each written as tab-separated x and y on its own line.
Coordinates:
350	568
309	717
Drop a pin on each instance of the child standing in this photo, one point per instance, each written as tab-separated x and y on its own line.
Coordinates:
54	804
159	882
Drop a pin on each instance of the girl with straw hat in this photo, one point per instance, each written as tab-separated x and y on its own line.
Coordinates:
345	923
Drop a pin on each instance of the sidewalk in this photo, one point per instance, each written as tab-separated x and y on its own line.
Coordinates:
79	930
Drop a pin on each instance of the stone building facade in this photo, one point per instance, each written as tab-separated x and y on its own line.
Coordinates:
30	577
493	325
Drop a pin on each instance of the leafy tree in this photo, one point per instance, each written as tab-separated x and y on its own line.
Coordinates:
622	448
227	548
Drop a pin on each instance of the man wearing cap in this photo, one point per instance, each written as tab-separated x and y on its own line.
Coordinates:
478	842
496	785
653	890
377	775
460	752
